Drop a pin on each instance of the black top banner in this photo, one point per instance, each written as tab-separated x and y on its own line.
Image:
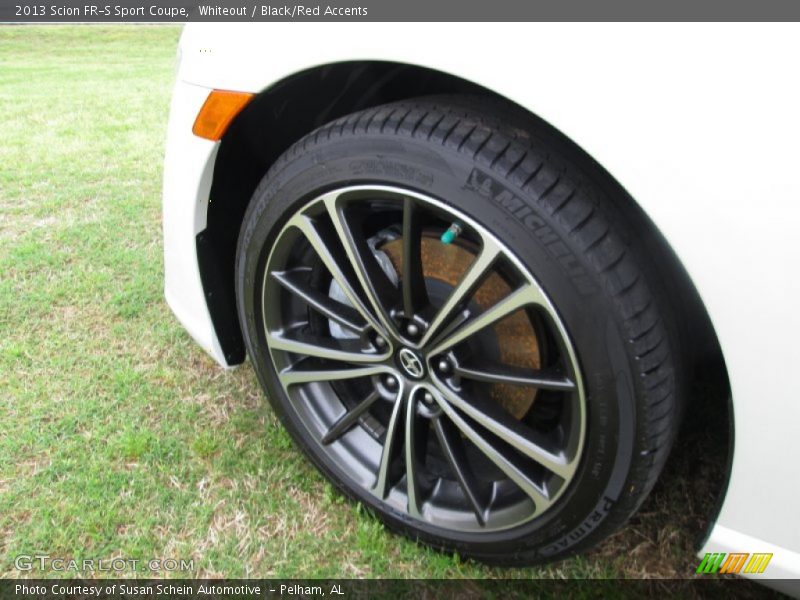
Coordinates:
182	11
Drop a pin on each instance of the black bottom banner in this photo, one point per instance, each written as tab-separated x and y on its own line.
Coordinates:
253	589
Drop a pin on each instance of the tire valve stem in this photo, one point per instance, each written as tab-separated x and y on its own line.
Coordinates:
452	233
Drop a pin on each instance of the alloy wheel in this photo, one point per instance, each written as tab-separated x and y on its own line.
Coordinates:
427	363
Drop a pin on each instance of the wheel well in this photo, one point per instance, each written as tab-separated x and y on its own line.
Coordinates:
295	106
273	121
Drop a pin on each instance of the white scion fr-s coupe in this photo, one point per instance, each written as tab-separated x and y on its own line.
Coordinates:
476	267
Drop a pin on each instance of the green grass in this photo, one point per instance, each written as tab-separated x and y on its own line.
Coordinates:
118	435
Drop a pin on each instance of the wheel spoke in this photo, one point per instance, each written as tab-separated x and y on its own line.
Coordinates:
344	315
453	449
391	444
294	375
380	291
347	350
332	260
349	418
497	373
412	451
527	294
496	419
461	293
415	296
540	496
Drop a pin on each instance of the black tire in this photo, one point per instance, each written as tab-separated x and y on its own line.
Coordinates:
555	209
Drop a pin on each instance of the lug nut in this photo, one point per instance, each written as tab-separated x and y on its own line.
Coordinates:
427	398
380	342
391	382
412	329
444	365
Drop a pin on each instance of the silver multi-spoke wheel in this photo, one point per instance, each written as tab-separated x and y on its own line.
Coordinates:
423	357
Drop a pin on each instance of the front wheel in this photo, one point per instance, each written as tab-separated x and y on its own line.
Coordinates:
442	314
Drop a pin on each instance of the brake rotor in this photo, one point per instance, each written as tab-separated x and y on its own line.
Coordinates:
517	341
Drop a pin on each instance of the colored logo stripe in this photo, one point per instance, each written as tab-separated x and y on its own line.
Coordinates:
716	562
711	562
758	563
734	562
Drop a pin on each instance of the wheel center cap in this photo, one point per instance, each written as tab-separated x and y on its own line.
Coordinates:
411	363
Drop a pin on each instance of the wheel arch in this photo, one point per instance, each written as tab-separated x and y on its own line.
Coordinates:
296	105
275	119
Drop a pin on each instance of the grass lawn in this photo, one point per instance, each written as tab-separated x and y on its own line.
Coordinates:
119	437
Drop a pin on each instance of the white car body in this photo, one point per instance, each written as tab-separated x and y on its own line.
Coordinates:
700	123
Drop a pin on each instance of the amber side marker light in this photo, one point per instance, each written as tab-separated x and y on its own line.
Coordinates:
218	111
